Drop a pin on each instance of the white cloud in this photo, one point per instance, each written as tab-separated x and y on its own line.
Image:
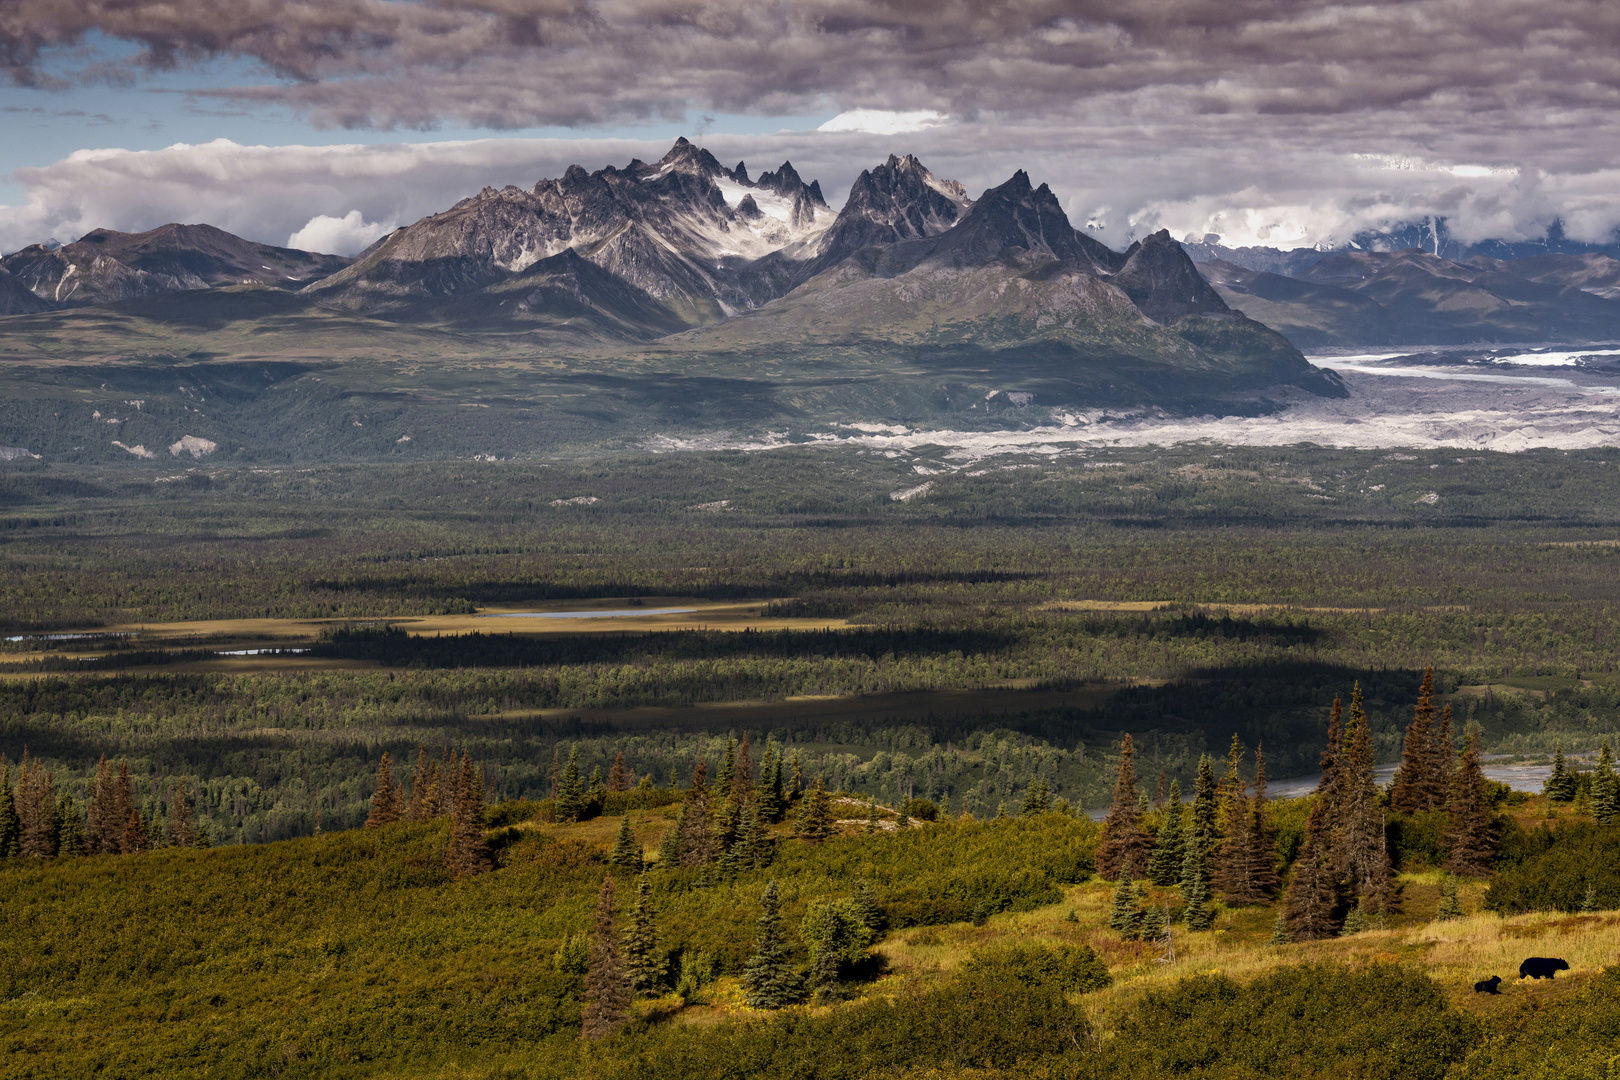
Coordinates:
884	122
344	235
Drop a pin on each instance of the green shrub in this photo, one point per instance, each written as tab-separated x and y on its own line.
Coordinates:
1552	869
1071	969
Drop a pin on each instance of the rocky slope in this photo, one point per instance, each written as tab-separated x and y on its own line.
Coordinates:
15	297
106	266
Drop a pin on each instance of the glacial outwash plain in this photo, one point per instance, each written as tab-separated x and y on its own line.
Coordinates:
656	623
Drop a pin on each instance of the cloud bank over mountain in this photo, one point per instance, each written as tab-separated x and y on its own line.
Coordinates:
1268	121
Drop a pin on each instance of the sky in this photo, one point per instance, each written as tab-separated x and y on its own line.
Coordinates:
325	123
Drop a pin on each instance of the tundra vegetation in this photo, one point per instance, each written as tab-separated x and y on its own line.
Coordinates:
275	802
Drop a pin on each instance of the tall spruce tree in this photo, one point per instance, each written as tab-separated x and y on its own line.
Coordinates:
644	966
825	986
1605	788
104	828
872	825
1262	836
1234	859
182	831
697	838
1560	785
626	852
795	789
36	810
420	807
1418	785
619	778
742	777
1164	868
1203	834
769	794
1362	855
384	800
10	823
570	804
1449	907
728	771
671	844
607	988
1470	840
1125	848
815	822
468	851
1445	755
1037	799
768	979
1231	785
1311	906
70	838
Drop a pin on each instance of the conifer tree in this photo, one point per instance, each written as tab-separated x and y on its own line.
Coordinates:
570	805
1471	840
825	987
1262	837
742	778
871	818
815	822
619	778
1362	856
1233	860
1119	910
768	979
595	793
384	800
1417	785
1124	849
420	806
468	852
1154	921
795	789
1164	868
607	987
105	829
70	838
626	853
1313	893
1605	788
728	771
1037	800
136	838
643	965
1202	835
1196	910
1560	785
36	810
182	830
554	786
1231	786
1279	931
769	793
670	844
865	902
1445	756
1136	913
10	823
697	839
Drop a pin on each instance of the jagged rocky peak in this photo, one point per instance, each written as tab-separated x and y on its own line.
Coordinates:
898	200
683	157
740	173
1015	216
1161	279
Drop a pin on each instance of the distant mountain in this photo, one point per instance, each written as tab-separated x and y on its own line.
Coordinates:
106	266
1416	298
15	297
684	230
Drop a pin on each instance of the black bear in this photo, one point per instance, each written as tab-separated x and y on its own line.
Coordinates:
1542	967
1489	986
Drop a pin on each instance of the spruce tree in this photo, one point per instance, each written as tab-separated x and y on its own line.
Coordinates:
795	789
626	853
619	778
1362	857
671	844
10	824
1417	786
419	807
1164	868
1233	857
570	804
825	987
1154	919
1197	911
1445	756
70	838
101	836
384	800
643	965
742	778
554	785
871	818
468	851
815	822
768	979
728	771
1560	785
1037	799
1202	835
769	793
137	834
607	987
865	902
1231	786
1605	788
1470	841
595	793
1119	911
36	810
697	838
1124	849
182	825
1312	900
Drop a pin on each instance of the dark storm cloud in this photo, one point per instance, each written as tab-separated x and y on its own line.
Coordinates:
521	63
